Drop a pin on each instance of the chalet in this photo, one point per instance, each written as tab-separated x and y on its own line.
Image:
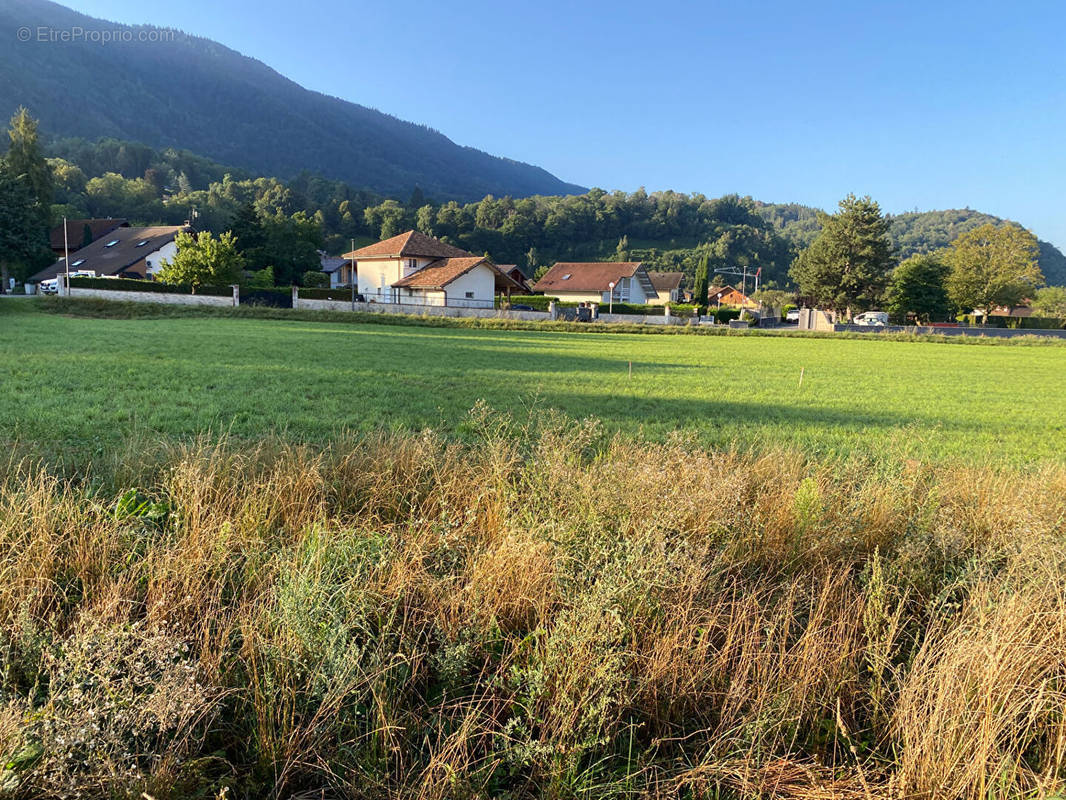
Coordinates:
513	272
596	281
125	252
667	287
728	296
417	269
80	233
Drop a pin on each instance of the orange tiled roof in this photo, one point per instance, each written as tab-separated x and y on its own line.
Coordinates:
411	244
585	276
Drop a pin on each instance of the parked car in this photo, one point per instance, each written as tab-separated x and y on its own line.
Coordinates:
792	315
51	286
520	307
872	319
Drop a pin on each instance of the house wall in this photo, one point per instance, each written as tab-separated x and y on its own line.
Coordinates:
375	276
426	297
153	261
662	298
480	283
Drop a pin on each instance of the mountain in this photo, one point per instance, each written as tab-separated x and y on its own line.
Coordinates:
913	232
197	94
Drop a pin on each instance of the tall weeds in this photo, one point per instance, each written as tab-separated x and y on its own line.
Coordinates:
543	614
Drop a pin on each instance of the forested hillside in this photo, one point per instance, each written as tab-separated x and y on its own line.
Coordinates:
195	93
910	233
668	230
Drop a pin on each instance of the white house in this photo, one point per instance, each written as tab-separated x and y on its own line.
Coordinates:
417	269
591	282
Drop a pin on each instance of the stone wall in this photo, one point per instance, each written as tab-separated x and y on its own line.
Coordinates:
155	297
308	304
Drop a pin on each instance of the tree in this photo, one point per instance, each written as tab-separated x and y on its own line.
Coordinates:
773	299
700	288
992	266
21	236
917	287
621	252
1050	302
846	267
247	228
27	162
203	260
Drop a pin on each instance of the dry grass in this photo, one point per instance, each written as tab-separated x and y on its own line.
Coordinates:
541	615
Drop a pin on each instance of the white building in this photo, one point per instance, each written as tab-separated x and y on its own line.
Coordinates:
417	269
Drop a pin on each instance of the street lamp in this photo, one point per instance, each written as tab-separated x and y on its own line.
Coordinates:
610	302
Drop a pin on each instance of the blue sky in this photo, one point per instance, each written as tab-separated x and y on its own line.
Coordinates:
923	105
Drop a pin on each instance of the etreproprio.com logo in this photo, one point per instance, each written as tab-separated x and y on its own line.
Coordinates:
47	33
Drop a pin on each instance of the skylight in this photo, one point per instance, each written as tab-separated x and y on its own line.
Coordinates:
566	277
79	261
142	244
112	243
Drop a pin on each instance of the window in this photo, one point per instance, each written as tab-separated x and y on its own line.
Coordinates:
112	243
469	295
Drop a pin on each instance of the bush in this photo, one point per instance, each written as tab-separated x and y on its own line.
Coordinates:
136	285
725	314
314	279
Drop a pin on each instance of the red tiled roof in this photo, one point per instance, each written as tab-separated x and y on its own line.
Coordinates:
76	232
666	281
440	273
585	276
411	244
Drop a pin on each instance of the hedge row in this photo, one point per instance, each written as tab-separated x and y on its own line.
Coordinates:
155	287
1023	323
311	293
539	302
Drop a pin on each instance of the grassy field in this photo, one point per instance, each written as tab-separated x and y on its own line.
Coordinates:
80	385
519	605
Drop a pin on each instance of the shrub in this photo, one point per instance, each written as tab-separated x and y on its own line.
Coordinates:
339	293
315	279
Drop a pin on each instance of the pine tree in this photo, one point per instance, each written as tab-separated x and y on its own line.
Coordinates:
847	266
27	162
699	286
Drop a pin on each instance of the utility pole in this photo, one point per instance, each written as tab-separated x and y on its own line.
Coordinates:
66	255
351	274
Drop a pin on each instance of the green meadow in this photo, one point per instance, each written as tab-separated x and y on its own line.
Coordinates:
80	385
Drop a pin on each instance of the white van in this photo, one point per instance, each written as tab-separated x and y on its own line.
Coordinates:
872	318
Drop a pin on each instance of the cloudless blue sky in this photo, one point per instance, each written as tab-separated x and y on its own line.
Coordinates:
928	105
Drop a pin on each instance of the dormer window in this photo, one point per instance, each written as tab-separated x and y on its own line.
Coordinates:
112	243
